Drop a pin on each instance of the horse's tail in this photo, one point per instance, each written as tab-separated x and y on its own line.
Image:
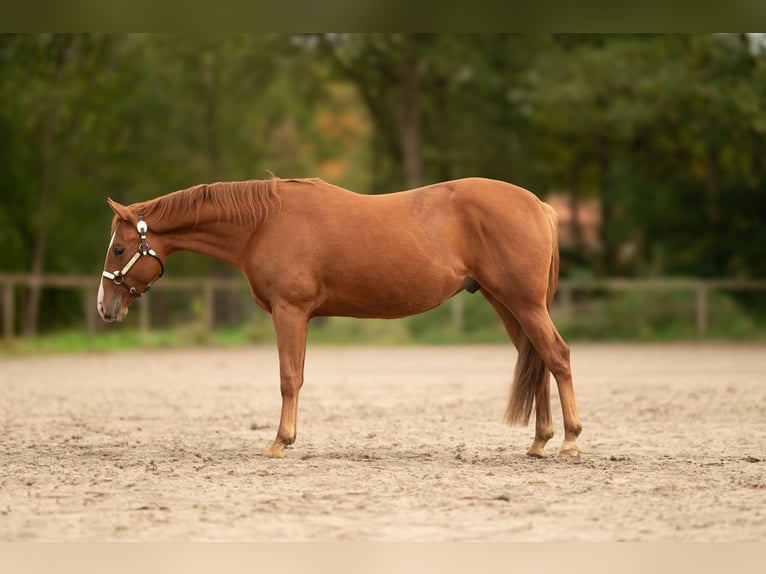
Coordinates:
531	372
553	271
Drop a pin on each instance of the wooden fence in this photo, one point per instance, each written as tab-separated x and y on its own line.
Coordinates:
700	287
10	283
88	286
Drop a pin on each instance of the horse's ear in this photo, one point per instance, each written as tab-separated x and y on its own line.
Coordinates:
122	211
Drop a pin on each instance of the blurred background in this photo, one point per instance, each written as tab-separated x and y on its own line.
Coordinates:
650	147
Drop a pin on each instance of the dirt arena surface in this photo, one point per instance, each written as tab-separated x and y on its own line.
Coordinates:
394	444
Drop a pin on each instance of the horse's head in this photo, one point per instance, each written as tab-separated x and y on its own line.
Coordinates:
134	261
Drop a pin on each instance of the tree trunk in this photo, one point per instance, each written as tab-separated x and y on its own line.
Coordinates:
608	224
32	309
409	115
59	51
575	224
391	93
224	306
210	83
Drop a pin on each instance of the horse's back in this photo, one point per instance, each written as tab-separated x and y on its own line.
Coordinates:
455	215
494	196
397	254
494	212
490	193
447	212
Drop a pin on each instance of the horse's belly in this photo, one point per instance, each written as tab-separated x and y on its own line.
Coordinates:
390	295
379	307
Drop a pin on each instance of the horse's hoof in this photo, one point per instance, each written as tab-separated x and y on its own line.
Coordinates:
537	453
273	452
570	453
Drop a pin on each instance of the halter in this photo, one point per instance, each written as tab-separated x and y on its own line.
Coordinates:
118	276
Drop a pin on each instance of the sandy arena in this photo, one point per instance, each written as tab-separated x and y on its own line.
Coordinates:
394	444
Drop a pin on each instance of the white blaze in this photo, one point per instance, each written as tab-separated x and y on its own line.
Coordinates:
100	302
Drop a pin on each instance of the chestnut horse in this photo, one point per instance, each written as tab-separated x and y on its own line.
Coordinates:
308	248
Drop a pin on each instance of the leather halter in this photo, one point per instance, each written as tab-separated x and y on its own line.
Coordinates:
118	276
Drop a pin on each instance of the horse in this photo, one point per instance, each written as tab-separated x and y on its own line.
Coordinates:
309	248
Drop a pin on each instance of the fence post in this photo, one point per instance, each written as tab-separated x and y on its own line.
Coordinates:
565	291
208	300
89	295
143	316
458	312
8	308
701	310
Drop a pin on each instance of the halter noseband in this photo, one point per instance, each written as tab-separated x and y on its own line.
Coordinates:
118	276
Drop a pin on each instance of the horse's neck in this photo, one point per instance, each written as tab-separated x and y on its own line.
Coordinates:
218	228
221	241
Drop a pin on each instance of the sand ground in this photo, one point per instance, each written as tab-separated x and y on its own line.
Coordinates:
394	444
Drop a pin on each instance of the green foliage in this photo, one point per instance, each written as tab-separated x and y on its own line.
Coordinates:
658	316
664	132
479	323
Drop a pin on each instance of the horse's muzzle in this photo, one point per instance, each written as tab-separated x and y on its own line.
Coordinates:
116	313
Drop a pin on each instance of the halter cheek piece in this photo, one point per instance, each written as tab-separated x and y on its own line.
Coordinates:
118	276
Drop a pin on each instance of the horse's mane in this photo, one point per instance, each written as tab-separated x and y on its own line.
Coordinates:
243	203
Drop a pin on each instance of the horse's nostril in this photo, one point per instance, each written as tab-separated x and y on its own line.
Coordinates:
115	309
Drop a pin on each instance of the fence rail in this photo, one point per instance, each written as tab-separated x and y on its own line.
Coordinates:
88	286
700	287
208	286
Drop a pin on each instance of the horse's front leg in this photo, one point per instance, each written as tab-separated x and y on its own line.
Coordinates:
291	326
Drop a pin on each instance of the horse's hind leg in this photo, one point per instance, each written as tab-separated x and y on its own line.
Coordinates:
542	333
543	415
291	326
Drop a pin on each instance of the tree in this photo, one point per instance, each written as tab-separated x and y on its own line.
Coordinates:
440	104
90	116
50	88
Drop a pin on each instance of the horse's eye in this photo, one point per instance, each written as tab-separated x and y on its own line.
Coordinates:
119	251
